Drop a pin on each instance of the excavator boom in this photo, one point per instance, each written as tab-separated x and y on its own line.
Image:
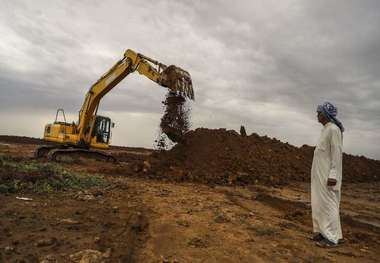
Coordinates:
93	130
172	77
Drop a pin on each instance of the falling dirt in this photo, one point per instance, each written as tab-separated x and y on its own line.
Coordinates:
176	120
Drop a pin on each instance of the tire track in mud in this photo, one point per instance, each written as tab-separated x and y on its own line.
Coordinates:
133	235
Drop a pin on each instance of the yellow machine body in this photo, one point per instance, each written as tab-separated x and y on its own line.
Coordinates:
65	133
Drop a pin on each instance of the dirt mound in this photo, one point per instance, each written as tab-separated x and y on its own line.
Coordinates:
225	157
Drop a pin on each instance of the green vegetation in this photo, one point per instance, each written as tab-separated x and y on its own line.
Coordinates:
21	175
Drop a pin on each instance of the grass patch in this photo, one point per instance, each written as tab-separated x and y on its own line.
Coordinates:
22	175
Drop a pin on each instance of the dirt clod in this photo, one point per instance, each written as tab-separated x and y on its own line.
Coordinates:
221	218
45	242
9	249
69	221
49	259
197	242
88	256
85	196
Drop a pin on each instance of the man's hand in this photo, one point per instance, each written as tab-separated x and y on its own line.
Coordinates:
331	182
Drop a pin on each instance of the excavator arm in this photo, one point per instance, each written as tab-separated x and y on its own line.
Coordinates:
93	131
172	77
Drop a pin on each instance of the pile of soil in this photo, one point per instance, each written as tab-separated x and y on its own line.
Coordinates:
225	157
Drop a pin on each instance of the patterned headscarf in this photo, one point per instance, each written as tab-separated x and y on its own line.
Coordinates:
330	111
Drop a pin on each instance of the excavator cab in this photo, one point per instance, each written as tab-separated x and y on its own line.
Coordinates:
101	132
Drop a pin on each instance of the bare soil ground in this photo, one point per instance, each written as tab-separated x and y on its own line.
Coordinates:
150	210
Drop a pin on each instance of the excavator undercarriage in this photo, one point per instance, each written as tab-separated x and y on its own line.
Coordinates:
59	153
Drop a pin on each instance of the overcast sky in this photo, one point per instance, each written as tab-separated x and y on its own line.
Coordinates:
264	64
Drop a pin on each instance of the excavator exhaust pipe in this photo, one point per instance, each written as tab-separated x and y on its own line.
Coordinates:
178	80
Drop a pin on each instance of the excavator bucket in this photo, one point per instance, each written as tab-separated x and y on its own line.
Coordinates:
178	80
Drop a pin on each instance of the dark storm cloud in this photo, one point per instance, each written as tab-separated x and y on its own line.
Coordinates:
309	51
55	53
262	63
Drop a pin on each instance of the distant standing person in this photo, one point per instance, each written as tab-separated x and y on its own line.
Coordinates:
326	178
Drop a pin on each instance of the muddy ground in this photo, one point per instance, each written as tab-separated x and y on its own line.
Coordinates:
139	216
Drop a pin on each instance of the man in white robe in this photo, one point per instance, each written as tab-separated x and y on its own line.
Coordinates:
326	178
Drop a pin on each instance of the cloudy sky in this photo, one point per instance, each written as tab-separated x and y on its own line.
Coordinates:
264	64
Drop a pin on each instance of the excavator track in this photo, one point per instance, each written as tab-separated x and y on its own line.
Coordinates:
42	151
58	153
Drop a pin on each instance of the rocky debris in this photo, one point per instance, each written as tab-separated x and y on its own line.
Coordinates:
197	242
49	259
163	259
223	156
84	196
295	215
164	192
24	198
69	221
9	250
221	218
183	223
90	256
146	166
46	242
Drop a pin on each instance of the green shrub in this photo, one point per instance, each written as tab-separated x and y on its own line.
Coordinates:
19	175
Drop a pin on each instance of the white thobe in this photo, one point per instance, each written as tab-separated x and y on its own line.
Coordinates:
327	163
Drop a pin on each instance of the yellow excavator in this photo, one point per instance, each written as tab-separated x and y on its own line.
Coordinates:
93	131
